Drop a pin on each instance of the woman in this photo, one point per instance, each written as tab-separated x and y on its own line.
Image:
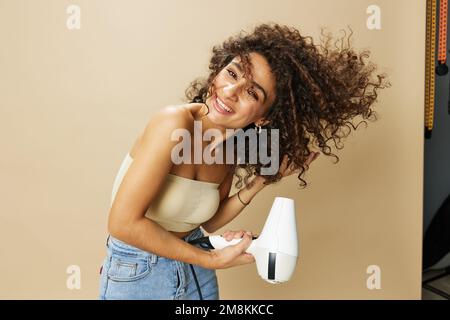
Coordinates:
272	78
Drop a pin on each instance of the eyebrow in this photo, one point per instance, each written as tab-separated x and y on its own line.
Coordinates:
255	83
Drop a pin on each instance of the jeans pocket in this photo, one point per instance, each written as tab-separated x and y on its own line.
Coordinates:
127	268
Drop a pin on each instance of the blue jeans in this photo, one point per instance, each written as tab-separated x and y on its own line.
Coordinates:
129	273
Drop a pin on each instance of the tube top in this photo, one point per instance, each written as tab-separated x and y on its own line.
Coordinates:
181	204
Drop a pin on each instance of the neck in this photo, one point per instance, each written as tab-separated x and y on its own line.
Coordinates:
205	124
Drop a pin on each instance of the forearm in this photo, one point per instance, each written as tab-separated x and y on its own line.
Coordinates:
149	236
231	207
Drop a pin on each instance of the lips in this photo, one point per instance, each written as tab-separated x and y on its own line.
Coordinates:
219	108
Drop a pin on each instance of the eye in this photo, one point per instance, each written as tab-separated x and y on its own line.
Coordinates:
254	95
231	72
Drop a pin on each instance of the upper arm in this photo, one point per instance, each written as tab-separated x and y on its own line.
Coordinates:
152	162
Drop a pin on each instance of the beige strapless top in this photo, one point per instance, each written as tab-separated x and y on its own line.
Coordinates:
181	205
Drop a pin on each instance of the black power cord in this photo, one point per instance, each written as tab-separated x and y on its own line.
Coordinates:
206	244
196	283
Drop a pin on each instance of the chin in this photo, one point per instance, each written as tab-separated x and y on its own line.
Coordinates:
214	118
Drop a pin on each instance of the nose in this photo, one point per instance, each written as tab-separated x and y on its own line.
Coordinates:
233	89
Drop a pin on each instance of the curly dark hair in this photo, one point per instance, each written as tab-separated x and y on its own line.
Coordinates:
319	90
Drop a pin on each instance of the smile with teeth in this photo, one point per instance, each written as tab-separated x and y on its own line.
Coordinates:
222	106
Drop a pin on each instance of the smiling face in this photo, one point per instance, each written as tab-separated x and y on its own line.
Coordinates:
237	101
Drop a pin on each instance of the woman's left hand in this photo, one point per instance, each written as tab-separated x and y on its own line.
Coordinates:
286	171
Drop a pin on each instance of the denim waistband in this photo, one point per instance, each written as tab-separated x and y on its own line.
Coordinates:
132	250
196	233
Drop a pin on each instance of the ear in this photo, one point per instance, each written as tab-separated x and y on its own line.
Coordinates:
262	122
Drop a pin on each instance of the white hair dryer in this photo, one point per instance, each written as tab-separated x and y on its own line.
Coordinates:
276	248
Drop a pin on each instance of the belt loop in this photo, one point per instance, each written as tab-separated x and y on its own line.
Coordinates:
153	258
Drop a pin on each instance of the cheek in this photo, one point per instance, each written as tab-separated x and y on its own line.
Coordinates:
249	111
221	79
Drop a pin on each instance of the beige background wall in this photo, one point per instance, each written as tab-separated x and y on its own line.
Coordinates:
73	101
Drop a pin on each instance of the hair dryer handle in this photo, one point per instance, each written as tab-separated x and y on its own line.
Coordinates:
219	242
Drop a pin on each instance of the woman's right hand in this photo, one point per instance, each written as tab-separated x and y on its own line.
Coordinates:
233	255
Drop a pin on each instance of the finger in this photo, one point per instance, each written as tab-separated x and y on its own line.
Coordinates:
249	257
310	158
239	234
284	163
316	156
245	258
244	243
242	259
291	169
230	235
226	235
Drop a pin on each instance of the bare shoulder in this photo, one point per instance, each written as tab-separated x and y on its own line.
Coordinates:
171	114
195	110
169	118
163	122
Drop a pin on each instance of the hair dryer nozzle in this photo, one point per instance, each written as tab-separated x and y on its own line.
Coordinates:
276	249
